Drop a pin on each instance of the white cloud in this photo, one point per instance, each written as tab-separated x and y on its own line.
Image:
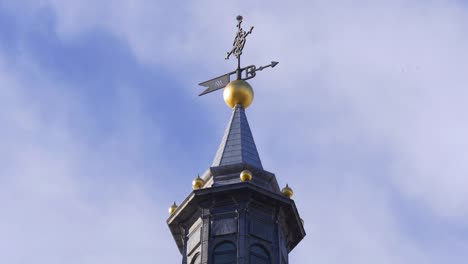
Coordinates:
64	199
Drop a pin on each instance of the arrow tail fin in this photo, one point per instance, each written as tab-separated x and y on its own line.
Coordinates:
215	84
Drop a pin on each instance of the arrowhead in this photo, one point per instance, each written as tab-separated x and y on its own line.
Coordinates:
274	63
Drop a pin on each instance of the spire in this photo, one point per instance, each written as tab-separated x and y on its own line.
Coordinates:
237	145
236	204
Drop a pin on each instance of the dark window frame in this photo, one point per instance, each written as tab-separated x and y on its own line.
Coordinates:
230	253
262	253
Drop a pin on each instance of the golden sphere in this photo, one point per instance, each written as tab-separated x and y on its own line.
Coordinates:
172	209
238	92
245	175
287	191
197	183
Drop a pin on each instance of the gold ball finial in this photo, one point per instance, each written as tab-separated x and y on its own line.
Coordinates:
173	208
197	183
287	191
238	92
245	175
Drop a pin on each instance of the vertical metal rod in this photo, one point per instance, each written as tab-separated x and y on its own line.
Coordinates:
238	71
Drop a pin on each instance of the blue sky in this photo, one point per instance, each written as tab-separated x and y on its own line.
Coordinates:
102	128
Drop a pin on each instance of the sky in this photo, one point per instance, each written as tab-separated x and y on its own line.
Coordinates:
101	128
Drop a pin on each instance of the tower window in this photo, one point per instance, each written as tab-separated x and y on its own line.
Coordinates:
259	255
225	253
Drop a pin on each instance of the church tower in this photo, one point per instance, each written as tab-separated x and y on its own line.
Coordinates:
236	213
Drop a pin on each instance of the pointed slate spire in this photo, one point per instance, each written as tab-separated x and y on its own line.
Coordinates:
237	145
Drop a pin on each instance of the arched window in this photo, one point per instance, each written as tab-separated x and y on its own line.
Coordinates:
225	253
259	255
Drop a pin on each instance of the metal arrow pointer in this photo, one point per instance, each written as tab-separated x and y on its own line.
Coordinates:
249	71
223	80
272	64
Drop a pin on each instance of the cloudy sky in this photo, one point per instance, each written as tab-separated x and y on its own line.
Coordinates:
101	128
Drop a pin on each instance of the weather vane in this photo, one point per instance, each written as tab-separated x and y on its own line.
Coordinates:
239	41
250	71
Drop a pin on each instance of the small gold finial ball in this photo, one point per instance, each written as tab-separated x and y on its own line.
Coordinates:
287	191
302	222
197	183
173	208
238	92
245	175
